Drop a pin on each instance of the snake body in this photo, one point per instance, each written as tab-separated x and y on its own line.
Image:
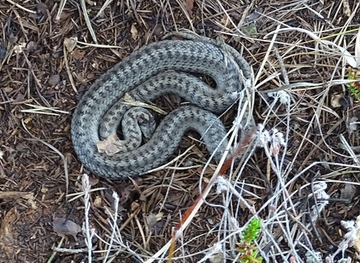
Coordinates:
146	74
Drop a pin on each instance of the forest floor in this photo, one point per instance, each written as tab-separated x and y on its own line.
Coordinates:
302	184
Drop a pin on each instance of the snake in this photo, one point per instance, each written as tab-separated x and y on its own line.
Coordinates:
168	66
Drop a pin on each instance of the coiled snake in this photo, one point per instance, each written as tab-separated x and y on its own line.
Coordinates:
151	71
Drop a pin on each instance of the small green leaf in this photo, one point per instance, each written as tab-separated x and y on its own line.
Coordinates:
252	232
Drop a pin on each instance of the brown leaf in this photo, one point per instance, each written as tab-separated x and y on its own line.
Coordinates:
6	231
54	79
78	54
8	89
189	5
70	43
98	202
110	146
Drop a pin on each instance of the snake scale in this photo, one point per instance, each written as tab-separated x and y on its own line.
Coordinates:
153	70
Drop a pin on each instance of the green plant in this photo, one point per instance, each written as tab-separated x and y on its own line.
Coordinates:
247	249
354	87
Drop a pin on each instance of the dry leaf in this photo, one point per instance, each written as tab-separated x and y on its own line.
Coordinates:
15	194
6	231
64	226
134	32
348	192
70	43
110	146
189	5
98	202
334	102
7	89
151	220
54	79
78	54
28	120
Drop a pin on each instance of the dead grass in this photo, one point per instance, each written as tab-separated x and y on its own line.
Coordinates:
301	181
